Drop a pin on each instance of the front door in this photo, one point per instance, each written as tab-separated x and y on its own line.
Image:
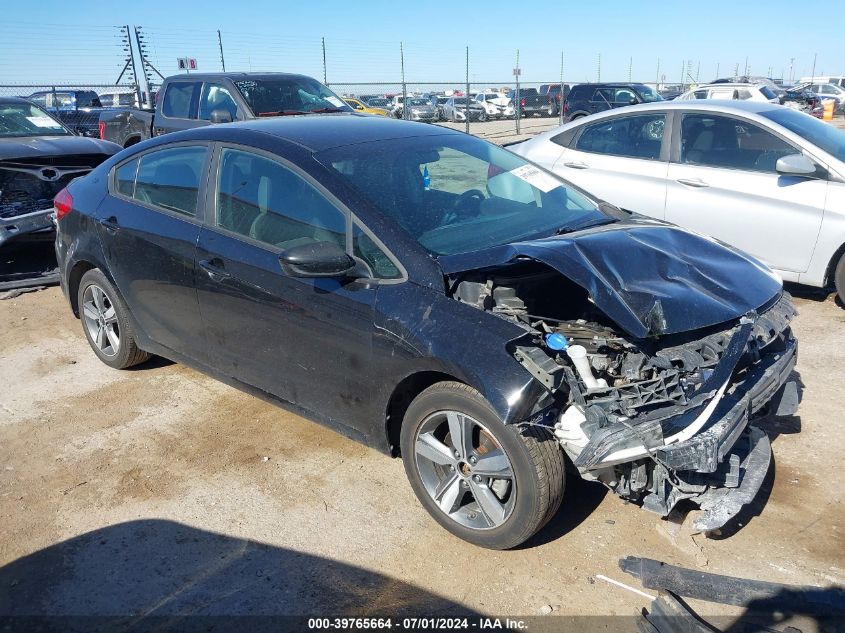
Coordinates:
722	182
149	229
178	109
307	341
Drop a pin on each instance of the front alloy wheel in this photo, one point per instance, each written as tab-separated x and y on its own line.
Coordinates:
489	483
464	470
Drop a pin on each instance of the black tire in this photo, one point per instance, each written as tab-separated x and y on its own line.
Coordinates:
551	110
535	458
482	117
839	279
127	352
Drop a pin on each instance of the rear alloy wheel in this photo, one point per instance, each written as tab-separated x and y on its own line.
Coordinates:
491	484
839	279
105	321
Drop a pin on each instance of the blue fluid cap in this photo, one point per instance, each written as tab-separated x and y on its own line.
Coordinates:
556	341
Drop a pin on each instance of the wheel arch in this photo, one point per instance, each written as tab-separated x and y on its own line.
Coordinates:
831	266
73	279
403	394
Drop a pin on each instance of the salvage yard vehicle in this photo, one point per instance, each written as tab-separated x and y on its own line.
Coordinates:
732	91
415	109
497	105
38	156
457	109
79	110
187	101
530	102
364	108
440	299
762	177
586	99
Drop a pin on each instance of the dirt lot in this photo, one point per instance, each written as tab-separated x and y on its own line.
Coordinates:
160	490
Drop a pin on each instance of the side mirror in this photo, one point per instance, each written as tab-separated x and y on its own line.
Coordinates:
220	116
795	165
318	259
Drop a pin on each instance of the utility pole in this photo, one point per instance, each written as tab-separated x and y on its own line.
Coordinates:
657	76
791	62
466	103
404	85
698	72
683	78
745	74
220	45
717	70
325	77
813	74
630	68
598	70
736	70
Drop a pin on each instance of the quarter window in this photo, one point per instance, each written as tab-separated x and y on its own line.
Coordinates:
364	248
177	101
720	141
264	200
124	178
170	178
631	136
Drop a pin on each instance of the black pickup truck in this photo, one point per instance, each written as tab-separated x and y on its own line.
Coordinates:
77	109
188	101
530	102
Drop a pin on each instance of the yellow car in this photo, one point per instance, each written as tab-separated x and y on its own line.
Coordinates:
360	106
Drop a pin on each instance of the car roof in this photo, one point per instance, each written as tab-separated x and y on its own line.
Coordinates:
717	105
744	84
318	132
236	76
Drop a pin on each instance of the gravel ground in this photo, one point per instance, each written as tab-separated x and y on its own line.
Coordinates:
160	490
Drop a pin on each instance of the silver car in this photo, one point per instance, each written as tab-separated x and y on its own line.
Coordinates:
767	179
455	110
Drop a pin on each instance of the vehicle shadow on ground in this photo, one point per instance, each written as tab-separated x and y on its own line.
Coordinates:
164	570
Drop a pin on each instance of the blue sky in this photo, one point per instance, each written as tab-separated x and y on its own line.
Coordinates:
78	41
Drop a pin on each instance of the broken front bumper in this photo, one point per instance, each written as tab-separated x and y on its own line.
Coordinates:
22	224
720	466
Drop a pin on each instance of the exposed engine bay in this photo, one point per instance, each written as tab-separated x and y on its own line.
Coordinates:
656	419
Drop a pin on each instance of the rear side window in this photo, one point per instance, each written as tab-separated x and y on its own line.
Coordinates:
170	178
768	92
260	198
178	99
631	136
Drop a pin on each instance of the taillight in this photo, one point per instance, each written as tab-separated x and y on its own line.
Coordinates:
522	102
101	126
565	106
63	203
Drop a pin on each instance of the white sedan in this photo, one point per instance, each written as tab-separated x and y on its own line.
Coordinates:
767	179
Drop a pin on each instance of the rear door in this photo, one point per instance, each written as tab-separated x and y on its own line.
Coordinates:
178	109
149	226
722	182
307	341
621	159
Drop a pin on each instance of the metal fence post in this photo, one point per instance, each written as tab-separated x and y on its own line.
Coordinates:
220	45
562	96
466	103
325	72
516	72
405	111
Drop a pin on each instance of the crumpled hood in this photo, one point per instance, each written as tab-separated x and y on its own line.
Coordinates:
647	276
36	146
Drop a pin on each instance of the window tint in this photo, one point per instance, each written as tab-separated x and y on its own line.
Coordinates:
170	178
366	249
177	101
603	95
720	141
124	178
260	198
633	136
215	97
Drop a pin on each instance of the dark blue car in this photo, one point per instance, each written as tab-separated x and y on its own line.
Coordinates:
438	297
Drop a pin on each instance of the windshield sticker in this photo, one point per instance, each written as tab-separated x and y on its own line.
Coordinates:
334	101
536	178
43	121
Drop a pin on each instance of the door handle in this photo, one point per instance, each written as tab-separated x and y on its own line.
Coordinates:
110	224
577	165
693	182
214	269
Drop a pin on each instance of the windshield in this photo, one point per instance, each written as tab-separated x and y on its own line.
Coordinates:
378	102
417	102
269	97
649	94
822	135
457	193
26	119
461	101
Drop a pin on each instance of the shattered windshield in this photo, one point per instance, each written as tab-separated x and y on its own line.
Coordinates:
26	119
289	95
456	193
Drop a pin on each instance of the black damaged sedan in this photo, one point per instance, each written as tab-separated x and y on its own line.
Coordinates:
440	299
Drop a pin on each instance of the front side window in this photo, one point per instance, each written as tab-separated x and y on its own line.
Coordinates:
624	95
216	97
603	95
822	135
721	141
631	136
455	194
177	101
260	198
170	178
